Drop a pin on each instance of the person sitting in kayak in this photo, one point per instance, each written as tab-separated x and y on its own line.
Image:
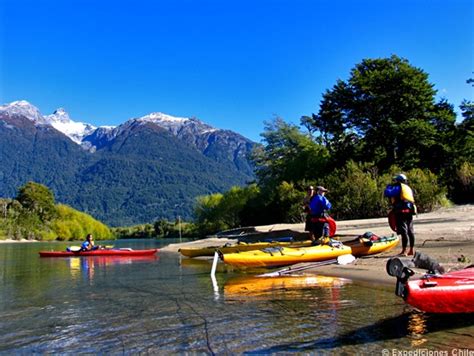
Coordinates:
319	205
89	245
403	205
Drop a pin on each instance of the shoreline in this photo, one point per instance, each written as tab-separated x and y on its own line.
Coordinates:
446	235
17	241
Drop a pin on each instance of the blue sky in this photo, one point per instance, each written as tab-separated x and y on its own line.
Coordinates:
232	64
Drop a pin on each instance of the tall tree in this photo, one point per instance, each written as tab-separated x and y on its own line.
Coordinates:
287	154
385	113
37	199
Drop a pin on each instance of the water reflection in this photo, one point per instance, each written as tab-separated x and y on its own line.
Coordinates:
260	286
85	267
416	328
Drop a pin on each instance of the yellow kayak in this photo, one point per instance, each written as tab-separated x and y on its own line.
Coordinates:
364	246
283	256
239	247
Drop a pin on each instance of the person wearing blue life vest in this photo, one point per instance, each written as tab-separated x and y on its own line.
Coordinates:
318	206
89	245
403	206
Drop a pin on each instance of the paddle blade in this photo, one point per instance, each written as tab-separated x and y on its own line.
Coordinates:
345	259
74	248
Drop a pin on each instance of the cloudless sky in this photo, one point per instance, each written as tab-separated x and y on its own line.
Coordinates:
231	63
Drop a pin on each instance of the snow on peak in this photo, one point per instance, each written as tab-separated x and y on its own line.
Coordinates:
61	115
24	108
76	131
163	119
175	124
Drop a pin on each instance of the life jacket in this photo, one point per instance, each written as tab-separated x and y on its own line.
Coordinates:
406	193
85	246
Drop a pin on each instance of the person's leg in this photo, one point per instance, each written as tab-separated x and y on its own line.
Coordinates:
317	232
308	227
326	229
402	229
410	233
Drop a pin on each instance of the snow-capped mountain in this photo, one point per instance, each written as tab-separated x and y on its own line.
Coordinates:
92	137
23	108
215	143
76	131
60	119
147	168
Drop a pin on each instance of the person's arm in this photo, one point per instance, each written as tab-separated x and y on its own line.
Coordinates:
328	204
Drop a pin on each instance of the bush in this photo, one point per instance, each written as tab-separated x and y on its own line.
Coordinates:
75	225
428	194
219	212
355	192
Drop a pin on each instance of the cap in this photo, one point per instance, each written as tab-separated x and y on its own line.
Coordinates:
322	189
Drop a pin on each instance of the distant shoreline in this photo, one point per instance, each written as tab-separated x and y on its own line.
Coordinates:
16	241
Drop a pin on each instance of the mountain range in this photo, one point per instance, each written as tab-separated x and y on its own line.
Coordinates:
148	168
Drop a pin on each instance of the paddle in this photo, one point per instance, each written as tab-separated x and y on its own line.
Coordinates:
341	260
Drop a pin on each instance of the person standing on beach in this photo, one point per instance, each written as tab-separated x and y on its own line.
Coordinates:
403	206
306	200
319	206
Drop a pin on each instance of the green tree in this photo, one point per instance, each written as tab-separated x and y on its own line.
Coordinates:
72	224
385	113
287	154
467	106
37	199
223	211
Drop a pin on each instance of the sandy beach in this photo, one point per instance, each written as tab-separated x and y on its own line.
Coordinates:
446	235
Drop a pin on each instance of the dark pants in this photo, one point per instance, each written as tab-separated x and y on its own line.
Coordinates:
319	228
405	228
307	224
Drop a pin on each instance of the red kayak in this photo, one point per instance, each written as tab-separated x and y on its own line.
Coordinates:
128	252
435	291
452	292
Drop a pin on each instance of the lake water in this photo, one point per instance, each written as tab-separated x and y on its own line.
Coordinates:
168	304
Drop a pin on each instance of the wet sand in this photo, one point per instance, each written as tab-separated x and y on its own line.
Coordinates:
445	235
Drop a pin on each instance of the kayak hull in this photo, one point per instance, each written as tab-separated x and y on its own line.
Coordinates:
283	256
448	293
105	252
239	247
